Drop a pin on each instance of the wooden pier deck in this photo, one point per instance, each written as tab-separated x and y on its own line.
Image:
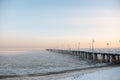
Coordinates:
110	58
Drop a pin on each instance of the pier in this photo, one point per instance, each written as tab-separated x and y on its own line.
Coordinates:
110	58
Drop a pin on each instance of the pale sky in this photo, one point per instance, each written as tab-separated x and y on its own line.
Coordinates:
40	24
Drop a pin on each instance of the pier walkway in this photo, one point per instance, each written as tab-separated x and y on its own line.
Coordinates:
110	58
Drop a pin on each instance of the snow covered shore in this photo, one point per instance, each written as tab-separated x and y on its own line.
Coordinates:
110	74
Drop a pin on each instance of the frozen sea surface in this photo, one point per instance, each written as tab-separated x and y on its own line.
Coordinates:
29	62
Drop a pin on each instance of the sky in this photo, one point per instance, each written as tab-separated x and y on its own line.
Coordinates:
40	24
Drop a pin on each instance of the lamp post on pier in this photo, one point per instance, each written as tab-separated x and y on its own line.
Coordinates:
108	45
79	46
119	41
93	45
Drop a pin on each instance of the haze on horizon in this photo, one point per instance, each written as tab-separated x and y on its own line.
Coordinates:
40	24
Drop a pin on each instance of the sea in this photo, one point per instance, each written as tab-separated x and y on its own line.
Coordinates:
42	61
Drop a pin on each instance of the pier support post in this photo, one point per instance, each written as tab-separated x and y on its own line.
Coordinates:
117	59
94	56
108	59
88	56
91	57
85	55
80	55
111	59
102	58
114	59
73	53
